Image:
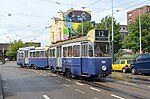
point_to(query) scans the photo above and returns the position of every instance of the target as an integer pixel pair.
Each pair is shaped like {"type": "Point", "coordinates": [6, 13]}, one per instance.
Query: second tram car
{"type": "Point", "coordinates": [85, 56]}
{"type": "Point", "coordinates": [38, 58]}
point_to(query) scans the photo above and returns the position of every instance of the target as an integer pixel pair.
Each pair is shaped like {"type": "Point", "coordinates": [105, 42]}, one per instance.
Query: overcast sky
{"type": "Point", "coordinates": [30, 17]}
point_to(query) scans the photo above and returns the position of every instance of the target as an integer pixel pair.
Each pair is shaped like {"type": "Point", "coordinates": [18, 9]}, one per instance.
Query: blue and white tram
{"type": "Point", "coordinates": [38, 58]}
{"type": "Point", "coordinates": [85, 56]}
{"type": "Point", "coordinates": [23, 55]}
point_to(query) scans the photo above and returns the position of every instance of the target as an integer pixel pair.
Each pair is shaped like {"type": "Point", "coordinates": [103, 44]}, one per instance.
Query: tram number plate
{"type": "Point", "coordinates": [101, 35]}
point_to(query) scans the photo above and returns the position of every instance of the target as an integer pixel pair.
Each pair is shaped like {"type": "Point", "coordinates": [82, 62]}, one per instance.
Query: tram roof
{"type": "Point", "coordinates": [41, 48]}
{"type": "Point", "coordinates": [89, 37]}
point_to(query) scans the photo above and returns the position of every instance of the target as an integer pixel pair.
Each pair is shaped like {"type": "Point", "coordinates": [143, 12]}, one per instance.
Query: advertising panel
{"type": "Point", "coordinates": [74, 18]}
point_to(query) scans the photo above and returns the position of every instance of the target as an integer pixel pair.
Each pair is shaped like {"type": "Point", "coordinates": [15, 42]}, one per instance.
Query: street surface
{"type": "Point", "coordinates": [23, 83]}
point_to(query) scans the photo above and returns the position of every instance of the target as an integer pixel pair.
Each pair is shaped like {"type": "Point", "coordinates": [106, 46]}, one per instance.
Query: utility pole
{"type": "Point", "coordinates": [140, 30]}
{"type": "Point", "coordinates": [112, 35]}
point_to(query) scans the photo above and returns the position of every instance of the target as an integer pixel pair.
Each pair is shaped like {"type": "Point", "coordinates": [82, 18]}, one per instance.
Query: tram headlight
{"type": "Point", "coordinates": [104, 68]}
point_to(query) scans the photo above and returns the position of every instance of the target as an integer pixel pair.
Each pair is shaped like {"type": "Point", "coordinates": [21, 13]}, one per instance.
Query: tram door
{"type": "Point", "coordinates": [26, 60]}
{"type": "Point", "coordinates": [58, 58]}
{"type": "Point", "coordinates": [84, 58]}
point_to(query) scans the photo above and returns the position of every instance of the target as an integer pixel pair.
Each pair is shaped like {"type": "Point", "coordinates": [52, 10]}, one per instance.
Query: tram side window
{"type": "Point", "coordinates": [42, 54]}
{"type": "Point", "coordinates": [52, 52]}
{"type": "Point", "coordinates": [65, 52]}
{"type": "Point", "coordinates": [69, 51]}
{"type": "Point", "coordinates": [34, 55]}
{"type": "Point", "coordinates": [37, 54]}
{"type": "Point", "coordinates": [20, 55]}
{"type": "Point", "coordinates": [31, 54]}
{"type": "Point", "coordinates": [76, 50]}
{"type": "Point", "coordinates": [84, 50]}
{"type": "Point", "coordinates": [26, 54]}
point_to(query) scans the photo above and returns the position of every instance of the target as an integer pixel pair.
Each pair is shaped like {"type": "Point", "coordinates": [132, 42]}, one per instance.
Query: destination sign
{"type": "Point", "coordinates": [101, 35]}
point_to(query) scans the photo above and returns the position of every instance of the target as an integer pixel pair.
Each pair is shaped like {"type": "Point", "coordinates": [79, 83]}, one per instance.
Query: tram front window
{"type": "Point", "coordinates": [101, 49]}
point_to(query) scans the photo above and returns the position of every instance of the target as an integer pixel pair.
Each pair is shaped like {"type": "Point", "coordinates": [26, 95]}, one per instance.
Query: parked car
{"type": "Point", "coordinates": [140, 64]}
{"type": "Point", "coordinates": [122, 65]}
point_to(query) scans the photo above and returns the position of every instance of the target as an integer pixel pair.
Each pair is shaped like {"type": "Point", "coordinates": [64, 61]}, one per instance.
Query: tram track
{"type": "Point", "coordinates": [108, 88]}
{"type": "Point", "coordinates": [112, 89]}
{"type": "Point", "coordinates": [131, 83]}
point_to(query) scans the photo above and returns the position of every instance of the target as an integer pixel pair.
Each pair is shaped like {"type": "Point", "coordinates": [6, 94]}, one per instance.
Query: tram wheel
{"type": "Point", "coordinates": [52, 69]}
{"type": "Point", "coordinates": [69, 74]}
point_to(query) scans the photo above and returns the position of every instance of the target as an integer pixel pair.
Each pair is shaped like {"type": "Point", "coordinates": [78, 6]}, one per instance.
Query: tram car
{"type": "Point", "coordinates": [38, 58]}
{"type": "Point", "coordinates": [22, 56]}
{"type": "Point", "coordinates": [84, 56]}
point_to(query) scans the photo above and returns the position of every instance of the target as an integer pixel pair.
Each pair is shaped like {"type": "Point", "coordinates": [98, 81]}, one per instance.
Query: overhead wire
{"type": "Point", "coordinates": [60, 3]}
{"type": "Point", "coordinates": [93, 3]}
{"type": "Point", "coordinates": [121, 5]}
{"type": "Point", "coordinates": [124, 8]}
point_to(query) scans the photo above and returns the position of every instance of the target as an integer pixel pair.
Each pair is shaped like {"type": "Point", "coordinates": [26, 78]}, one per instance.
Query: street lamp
{"type": "Point", "coordinates": [140, 30]}
{"type": "Point", "coordinates": [112, 35]}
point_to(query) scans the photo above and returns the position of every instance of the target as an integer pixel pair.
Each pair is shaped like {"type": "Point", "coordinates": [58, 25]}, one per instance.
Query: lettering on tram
{"type": "Point", "coordinates": [101, 35]}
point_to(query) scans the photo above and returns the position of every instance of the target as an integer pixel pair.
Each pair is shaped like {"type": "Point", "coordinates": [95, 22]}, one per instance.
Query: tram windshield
{"type": "Point", "coordinates": [101, 49]}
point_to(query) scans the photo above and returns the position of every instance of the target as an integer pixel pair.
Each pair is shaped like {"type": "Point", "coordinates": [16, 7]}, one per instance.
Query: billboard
{"type": "Point", "coordinates": [74, 18]}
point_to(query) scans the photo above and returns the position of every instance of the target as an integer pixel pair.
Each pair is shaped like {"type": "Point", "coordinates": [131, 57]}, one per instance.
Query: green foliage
{"type": "Point", "coordinates": [32, 44]}
{"type": "Point", "coordinates": [132, 40]}
{"type": "Point", "coordinates": [87, 26]}
{"type": "Point", "coordinates": [14, 46]}
{"type": "Point", "coordinates": [106, 23]}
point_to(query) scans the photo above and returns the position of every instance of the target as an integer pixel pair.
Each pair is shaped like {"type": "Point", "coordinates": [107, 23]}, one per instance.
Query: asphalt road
{"type": "Point", "coordinates": [23, 83]}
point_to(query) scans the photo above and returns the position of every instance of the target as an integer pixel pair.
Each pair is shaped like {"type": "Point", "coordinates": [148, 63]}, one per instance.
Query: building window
{"type": "Point", "coordinates": [148, 9]}
{"type": "Point", "coordinates": [129, 14]}
{"type": "Point", "coordinates": [129, 20]}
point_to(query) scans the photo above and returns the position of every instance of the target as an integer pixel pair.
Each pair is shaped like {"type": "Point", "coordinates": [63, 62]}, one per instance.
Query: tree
{"type": "Point", "coordinates": [132, 40]}
{"type": "Point", "coordinates": [106, 23]}
{"type": "Point", "coordinates": [14, 46]}
{"type": "Point", "coordinates": [87, 26]}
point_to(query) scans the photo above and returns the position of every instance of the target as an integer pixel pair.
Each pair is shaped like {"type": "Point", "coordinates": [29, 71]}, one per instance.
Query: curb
{"type": "Point", "coordinates": [1, 89]}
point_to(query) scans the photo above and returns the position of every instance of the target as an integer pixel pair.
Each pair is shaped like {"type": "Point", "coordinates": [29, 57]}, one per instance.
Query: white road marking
{"type": "Point", "coordinates": [44, 75]}
{"type": "Point", "coordinates": [40, 73]}
{"type": "Point", "coordinates": [59, 77]}
{"type": "Point", "coordinates": [46, 97]}
{"type": "Point", "coordinates": [80, 91]}
{"type": "Point", "coordinates": [148, 86]}
{"type": "Point", "coordinates": [50, 78]}
{"type": "Point", "coordinates": [94, 89]}
{"type": "Point", "coordinates": [49, 73]}
{"type": "Point", "coordinates": [53, 74]}
{"type": "Point", "coordinates": [130, 83]}
{"type": "Point", "coordinates": [57, 80]}
{"type": "Point", "coordinates": [96, 98]}
{"type": "Point", "coordinates": [66, 85]}
{"type": "Point", "coordinates": [79, 84]}
{"type": "Point", "coordinates": [44, 71]}
{"type": "Point", "coordinates": [68, 80]}
{"type": "Point", "coordinates": [117, 96]}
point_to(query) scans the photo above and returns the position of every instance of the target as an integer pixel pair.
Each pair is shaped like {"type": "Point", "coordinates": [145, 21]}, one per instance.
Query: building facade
{"type": "Point", "coordinates": [134, 14]}
{"type": "Point", "coordinates": [64, 26]}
